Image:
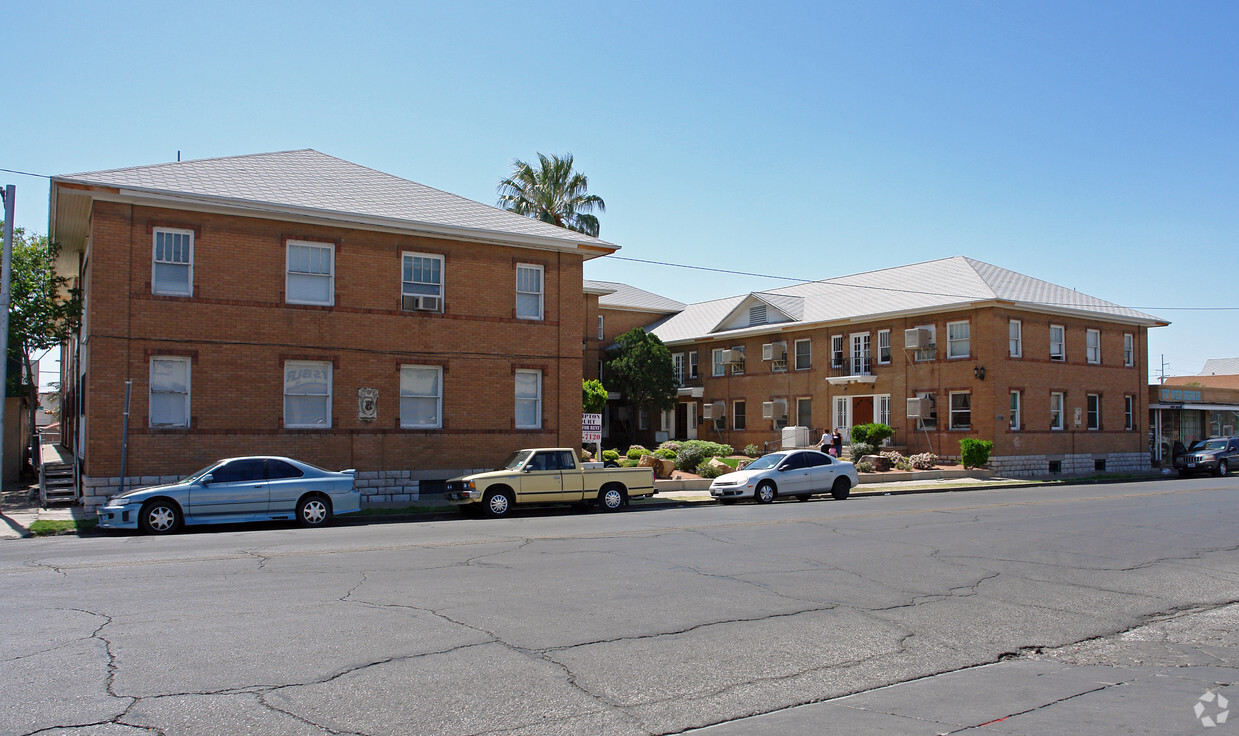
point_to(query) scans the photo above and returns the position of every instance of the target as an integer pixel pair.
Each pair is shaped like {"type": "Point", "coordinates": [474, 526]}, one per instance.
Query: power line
{"type": "Point", "coordinates": [26, 173]}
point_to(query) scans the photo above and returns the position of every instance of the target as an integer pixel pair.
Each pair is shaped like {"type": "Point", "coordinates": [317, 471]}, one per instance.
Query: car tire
{"type": "Point", "coordinates": [313, 510]}
{"type": "Point", "coordinates": [765, 493]}
{"type": "Point", "coordinates": [803, 496]}
{"type": "Point", "coordinates": [1223, 469]}
{"type": "Point", "coordinates": [497, 504]}
{"type": "Point", "coordinates": [841, 489]}
{"type": "Point", "coordinates": [160, 516]}
{"type": "Point", "coordinates": [612, 498]}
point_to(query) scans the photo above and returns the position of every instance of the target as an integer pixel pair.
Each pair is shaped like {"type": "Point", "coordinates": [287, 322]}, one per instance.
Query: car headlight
{"type": "Point", "coordinates": [121, 501]}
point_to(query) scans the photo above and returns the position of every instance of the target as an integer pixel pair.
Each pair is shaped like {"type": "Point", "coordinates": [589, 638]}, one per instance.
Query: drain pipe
{"type": "Point", "coordinates": [124, 437]}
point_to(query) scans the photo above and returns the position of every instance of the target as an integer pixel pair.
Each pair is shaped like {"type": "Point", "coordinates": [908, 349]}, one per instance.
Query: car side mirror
{"type": "Point", "coordinates": [208, 479]}
{"type": "Point", "coordinates": [527, 469]}
{"type": "Point", "coordinates": [781, 468]}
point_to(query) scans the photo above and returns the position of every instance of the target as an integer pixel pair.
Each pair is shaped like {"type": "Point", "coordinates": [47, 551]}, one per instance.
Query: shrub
{"type": "Point", "coordinates": [974, 453]}
{"type": "Point", "coordinates": [923, 461]}
{"type": "Point", "coordinates": [752, 450]}
{"type": "Point", "coordinates": [611, 455]}
{"type": "Point", "coordinates": [586, 456]}
{"type": "Point", "coordinates": [689, 457]}
{"type": "Point", "coordinates": [903, 465]}
{"type": "Point", "coordinates": [705, 470]}
{"type": "Point", "coordinates": [893, 456]}
{"type": "Point", "coordinates": [670, 445]}
{"type": "Point", "coordinates": [860, 449]}
{"type": "Point", "coordinates": [636, 452]}
{"type": "Point", "coordinates": [871, 434]}
{"type": "Point", "coordinates": [665, 453]}
{"type": "Point", "coordinates": [864, 467]}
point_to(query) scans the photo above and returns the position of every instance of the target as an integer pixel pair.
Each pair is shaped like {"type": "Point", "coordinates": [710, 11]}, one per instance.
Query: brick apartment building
{"type": "Point", "coordinates": [297, 304]}
{"type": "Point", "coordinates": [940, 351]}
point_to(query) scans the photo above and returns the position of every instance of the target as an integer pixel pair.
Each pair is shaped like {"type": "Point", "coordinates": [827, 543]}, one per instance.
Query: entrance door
{"type": "Point", "coordinates": [681, 421]}
{"type": "Point", "coordinates": [862, 410]}
{"type": "Point", "coordinates": [690, 418]}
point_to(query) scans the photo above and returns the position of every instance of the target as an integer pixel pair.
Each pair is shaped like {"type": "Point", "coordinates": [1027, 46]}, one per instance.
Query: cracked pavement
{"type": "Point", "coordinates": [794, 617]}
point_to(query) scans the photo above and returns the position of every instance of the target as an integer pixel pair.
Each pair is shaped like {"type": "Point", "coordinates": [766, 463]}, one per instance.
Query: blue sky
{"type": "Point", "coordinates": [1094, 145]}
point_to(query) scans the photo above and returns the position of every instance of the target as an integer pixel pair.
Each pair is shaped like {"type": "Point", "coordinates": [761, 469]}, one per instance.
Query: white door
{"type": "Point", "coordinates": [843, 417]}
{"type": "Point", "coordinates": [692, 420]}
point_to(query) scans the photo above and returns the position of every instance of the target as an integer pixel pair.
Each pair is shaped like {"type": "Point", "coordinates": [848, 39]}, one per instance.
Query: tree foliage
{"type": "Point", "coordinates": [593, 396]}
{"type": "Point", "coordinates": [552, 193]}
{"type": "Point", "coordinates": [43, 309]}
{"type": "Point", "coordinates": [641, 370]}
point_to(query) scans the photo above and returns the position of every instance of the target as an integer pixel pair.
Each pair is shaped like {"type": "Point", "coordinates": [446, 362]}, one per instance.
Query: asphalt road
{"type": "Point", "coordinates": [643, 622]}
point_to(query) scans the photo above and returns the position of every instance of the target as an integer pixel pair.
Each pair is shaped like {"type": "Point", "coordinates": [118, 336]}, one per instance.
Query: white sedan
{"type": "Point", "coordinates": [799, 473]}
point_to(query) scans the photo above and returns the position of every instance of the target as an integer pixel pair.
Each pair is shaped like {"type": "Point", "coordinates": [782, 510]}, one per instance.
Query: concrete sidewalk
{"type": "Point", "coordinates": [19, 508]}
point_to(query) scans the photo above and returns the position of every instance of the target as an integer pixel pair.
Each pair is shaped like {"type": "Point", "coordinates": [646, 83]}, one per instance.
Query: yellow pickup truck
{"type": "Point", "coordinates": [547, 475]}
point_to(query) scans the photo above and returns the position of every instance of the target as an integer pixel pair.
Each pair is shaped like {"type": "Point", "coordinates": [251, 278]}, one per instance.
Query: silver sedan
{"type": "Point", "coordinates": [798, 473]}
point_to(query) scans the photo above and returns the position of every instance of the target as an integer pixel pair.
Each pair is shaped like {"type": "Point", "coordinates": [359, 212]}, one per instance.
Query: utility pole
{"type": "Point", "coordinates": [10, 196]}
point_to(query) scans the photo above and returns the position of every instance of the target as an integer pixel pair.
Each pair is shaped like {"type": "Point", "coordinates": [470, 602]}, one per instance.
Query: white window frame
{"type": "Point", "coordinates": [884, 408]}
{"type": "Point", "coordinates": [737, 369]}
{"type": "Point", "coordinates": [156, 261]}
{"type": "Point", "coordinates": [437, 396]}
{"type": "Point", "coordinates": [718, 367]}
{"type": "Point", "coordinates": [289, 274]}
{"type": "Point", "coordinates": [808, 354]}
{"type": "Point", "coordinates": [954, 341]}
{"type": "Point", "coordinates": [1016, 408]}
{"type": "Point", "coordinates": [1058, 416]}
{"type": "Point", "coordinates": [536, 400]}
{"type": "Point", "coordinates": [408, 255]}
{"type": "Point", "coordinates": [601, 331]}
{"type": "Point", "coordinates": [966, 410]}
{"type": "Point", "coordinates": [843, 414]}
{"type": "Point", "coordinates": [1129, 349]}
{"type": "Point", "coordinates": [931, 352]}
{"type": "Point", "coordinates": [1061, 342]}
{"type": "Point", "coordinates": [838, 358]}
{"type": "Point", "coordinates": [1015, 338]}
{"type": "Point", "coordinates": [692, 364]}
{"type": "Point", "coordinates": [1092, 346]}
{"type": "Point", "coordinates": [152, 390]}
{"type": "Point", "coordinates": [861, 356]}
{"type": "Point", "coordinates": [884, 344]}
{"type": "Point", "coordinates": [1092, 419]}
{"type": "Point", "coordinates": [309, 365]}
{"type": "Point", "coordinates": [1129, 413]}
{"type": "Point", "coordinates": [540, 293]}
{"type": "Point", "coordinates": [739, 420]}
{"type": "Point", "coordinates": [678, 365]}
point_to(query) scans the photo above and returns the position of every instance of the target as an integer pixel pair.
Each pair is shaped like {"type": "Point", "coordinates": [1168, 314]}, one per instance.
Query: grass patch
{"type": "Point", "coordinates": [731, 461]}
{"type": "Point", "coordinates": [52, 527]}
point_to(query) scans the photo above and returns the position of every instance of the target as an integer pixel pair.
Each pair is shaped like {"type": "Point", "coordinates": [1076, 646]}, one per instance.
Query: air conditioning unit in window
{"type": "Point", "coordinates": [774, 351]}
{"type": "Point", "coordinates": [411, 303]}
{"type": "Point", "coordinates": [735, 356]}
{"type": "Point", "coordinates": [711, 411]}
{"type": "Point", "coordinates": [773, 409]}
{"type": "Point", "coordinates": [917, 338]}
{"type": "Point", "coordinates": [915, 407]}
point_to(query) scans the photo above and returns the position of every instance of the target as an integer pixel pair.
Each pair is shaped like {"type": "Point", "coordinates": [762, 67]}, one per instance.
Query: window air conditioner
{"type": "Point", "coordinates": [707, 411]}
{"type": "Point", "coordinates": [735, 355]}
{"type": "Point", "coordinates": [410, 303]}
{"type": "Point", "coordinates": [773, 409]}
{"type": "Point", "coordinates": [774, 351]}
{"type": "Point", "coordinates": [917, 338]}
{"type": "Point", "coordinates": [914, 408]}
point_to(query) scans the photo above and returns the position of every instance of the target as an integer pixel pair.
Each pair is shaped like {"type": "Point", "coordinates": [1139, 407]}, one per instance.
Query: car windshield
{"type": "Point", "coordinates": [766, 461]}
{"type": "Point", "coordinates": [1210, 445]}
{"type": "Point", "coordinates": [515, 460]}
{"type": "Point", "coordinates": [194, 477]}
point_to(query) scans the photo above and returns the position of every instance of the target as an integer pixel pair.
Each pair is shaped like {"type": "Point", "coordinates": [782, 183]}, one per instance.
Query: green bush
{"type": "Point", "coordinates": [974, 453]}
{"type": "Point", "coordinates": [705, 470]}
{"type": "Point", "coordinates": [612, 455]}
{"type": "Point", "coordinates": [665, 453]}
{"type": "Point", "coordinates": [752, 450]}
{"type": "Point", "coordinates": [871, 434]}
{"type": "Point", "coordinates": [864, 467]}
{"type": "Point", "coordinates": [636, 452]}
{"type": "Point", "coordinates": [711, 449]}
{"type": "Point", "coordinates": [860, 449]}
{"type": "Point", "coordinates": [689, 457]}
{"type": "Point", "coordinates": [670, 445]}
{"type": "Point", "coordinates": [923, 461]}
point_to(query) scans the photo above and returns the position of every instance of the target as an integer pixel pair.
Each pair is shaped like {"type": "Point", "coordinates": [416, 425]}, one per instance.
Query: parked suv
{"type": "Point", "coordinates": [1215, 455]}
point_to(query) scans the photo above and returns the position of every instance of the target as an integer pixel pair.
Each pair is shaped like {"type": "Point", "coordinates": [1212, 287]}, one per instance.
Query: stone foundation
{"type": "Point", "coordinates": [1037, 466]}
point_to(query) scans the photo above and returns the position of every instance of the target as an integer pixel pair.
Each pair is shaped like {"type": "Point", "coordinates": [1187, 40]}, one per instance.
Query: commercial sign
{"type": "Point", "coordinates": [591, 428]}
{"type": "Point", "coordinates": [1177, 394]}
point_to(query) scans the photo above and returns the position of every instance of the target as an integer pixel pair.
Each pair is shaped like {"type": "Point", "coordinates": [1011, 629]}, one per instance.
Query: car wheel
{"type": "Point", "coordinates": [313, 510]}
{"type": "Point", "coordinates": [803, 496]}
{"type": "Point", "coordinates": [611, 498]}
{"type": "Point", "coordinates": [497, 504]}
{"type": "Point", "coordinates": [841, 489]}
{"type": "Point", "coordinates": [765, 493]}
{"type": "Point", "coordinates": [1222, 468]}
{"type": "Point", "coordinates": [160, 516]}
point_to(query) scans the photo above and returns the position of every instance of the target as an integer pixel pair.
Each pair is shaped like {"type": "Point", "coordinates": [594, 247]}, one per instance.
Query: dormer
{"type": "Point", "coordinates": [761, 308]}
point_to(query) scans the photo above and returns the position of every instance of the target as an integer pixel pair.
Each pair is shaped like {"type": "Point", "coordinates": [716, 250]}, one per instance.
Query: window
{"type": "Point", "coordinates": [529, 399]}
{"type": "Point", "coordinates": [930, 351]}
{"type": "Point", "coordinates": [169, 402]}
{"type": "Point", "coordinates": [804, 412]}
{"type": "Point", "coordinates": [1015, 411]}
{"type": "Point", "coordinates": [957, 339]}
{"type": "Point", "coordinates": [1015, 338]}
{"type": "Point", "coordinates": [307, 394]}
{"type": "Point", "coordinates": [1056, 410]}
{"type": "Point", "coordinates": [1129, 413]}
{"type": "Point", "coordinates": [737, 368]}
{"type": "Point", "coordinates": [1058, 350]}
{"type": "Point", "coordinates": [860, 354]}
{"type": "Point", "coordinates": [884, 409]}
{"type": "Point", "coordinates": [677, 365]}
{"type": "Point", "coordinates": [692, 364]}
{"type": "Point", "coordinates": [643, 419]}
{"type": "Point", "coordinates": [246, 470]}
{"type": "Point", "coordinates": [421, 396]}
{"type": "Point", "coordinates": [528, 291]}
{"type": "Point", "coordinates": [737, 415]}
{"type": "Point", "coordinates": [1094, 411]}
{"type": "Point", "coordinates": [961, 410]}
{"type": "Point", "coordinates": [1129, 349]}
{"type": "Point", "coordinates": [311, 268]}
{"type": "Point", "coordinates": [884, 347]}
{"type": "Point", "coordinates": [929, 410]}
{"type": "Point", "coordinates": [278, 470]}
{"type": "Point", "coordinates": [1092, 346]}
{"type": "Point", "coordinates": [421, 282]}
{"type": "Point", "coordinates": [804, 356]}
{"type": "Point", "coordinates": [716, 358]}
{"type": "Point", "coordinates": [843, 413]}
{"type": "Point", "coordinates": [836, 351]}
{"type": "Point", "coordinates": [172, 270]}
{"type": "Point", "coordinates": [600, 328]}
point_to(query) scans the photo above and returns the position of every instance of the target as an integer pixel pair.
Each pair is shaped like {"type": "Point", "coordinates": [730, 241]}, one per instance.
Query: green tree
{"type": "Point", "coordinates": [641, 370]}
{"type": "Point", "coordinates": [552, 193]}
{"type": "Point", "coordinates": [43, 310]}
{"type": "Point", "coordinates": [593, 396]}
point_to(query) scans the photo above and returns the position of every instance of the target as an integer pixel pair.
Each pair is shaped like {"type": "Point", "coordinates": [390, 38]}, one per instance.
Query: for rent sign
{"type": "Point", "coordinates": [591, 428]}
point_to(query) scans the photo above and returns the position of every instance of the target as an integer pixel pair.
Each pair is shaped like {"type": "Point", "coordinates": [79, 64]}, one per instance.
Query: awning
{"type": "Point", "coordinates": [1197, 407]}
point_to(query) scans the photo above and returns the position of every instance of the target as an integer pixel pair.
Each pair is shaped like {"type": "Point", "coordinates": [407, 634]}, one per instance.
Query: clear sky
{"type": "Point", "coordinates": [1091, 144]}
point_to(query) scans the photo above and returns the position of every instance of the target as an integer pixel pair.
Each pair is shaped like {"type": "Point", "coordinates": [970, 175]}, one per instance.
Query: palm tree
{"type": "Point", "coordinates": [554, 193]}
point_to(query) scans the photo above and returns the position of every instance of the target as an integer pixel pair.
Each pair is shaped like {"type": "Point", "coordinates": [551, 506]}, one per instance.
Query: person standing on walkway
{"type": "Point", "coordinates": [836, 441]}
